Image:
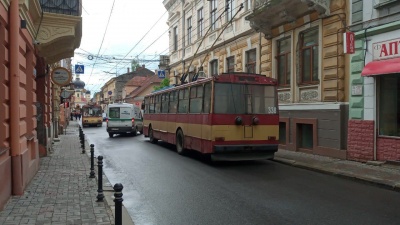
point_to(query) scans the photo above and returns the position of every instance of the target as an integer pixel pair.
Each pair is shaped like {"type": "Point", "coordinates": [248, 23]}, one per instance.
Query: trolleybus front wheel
{"type": "Point", "coordinates": [110, 135]}
{"type": "Point", "coordinates": [151, 135]}
{"type": "Point", "coordinates": [179, 142]}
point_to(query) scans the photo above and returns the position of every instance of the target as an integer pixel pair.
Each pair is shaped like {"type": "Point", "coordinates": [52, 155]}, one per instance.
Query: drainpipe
{"type": "Point", "coordinates": [16, 159]}
{"type": "Point", "coordinates": [259, 47]}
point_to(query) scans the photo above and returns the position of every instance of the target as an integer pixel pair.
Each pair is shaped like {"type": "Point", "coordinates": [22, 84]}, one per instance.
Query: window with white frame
{"type": "Point", "coordinates": [251, 61]}
{"type": "Point", "coordinates": [213, 14]}
{"type": "Point", "coordinates": [189, 30]}
{"type": "Point", "coordinates": [175, 38]}
{"type": "Point", "coordinates": [309, 50]}
{"type": "Point", "coordinates": [247, 4]}
{"type": "Point", "coordinates": [200, 23]}
{"type": "Point", "coordinates": [283, 61]}
{"type": "Point", "coordinates": [214, 67]}
{"type": "Point", "coordinates": [230, 4]}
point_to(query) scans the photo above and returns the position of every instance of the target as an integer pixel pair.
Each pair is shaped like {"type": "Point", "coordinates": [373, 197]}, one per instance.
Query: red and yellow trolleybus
{"type": "Point", "coordinates": [233, 116]}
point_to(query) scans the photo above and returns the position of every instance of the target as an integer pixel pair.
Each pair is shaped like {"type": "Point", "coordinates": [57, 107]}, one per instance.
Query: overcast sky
{"type": "Point", "coordinates": [103, 48]}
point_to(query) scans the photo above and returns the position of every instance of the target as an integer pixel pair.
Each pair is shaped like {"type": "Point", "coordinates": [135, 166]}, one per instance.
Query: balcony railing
{"type": "Point", "coordinates": [66, 7]}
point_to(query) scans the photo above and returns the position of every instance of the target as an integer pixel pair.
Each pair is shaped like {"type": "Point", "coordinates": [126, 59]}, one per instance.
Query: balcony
{"type": "Point", "coordinates": [59, 28]}
{"type": "Point", "coordinates": [269, 14]}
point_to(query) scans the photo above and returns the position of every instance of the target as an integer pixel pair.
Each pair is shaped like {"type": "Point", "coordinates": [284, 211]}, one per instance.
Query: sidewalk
{"type": "Point", "coordinates": [378, 173]}
{"type": "Point", "coordinates": [62, 192]}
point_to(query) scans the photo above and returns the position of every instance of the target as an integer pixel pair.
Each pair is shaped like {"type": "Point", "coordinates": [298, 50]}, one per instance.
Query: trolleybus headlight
{"type": "Point", "coordinates": [256, 120]}
{"type": "Point", "coordinates": [238, 120]}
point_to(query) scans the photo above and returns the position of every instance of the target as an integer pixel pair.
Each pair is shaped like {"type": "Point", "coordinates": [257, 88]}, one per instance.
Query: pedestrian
{"type": "Point", "coordinates": [79, 116]}
{"type": "Point", "coordinates": [72, 116]}
{"type": "Point", "coordinates": [76, 116]}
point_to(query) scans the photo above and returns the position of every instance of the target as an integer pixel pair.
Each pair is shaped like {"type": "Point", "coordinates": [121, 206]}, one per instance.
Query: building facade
{"type": "Point", "coordinates": [297, 42]}
{"type": "Point", "coordinates": [374, 118]}
{"type": "Point", "coordinates": [33, 37]}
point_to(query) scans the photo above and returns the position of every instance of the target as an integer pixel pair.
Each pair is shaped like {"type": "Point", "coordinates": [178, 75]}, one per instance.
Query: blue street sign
{"type": "Point", "coordinates": [79, 69]}
{"type": "Point", "coordinates": [161, 74]}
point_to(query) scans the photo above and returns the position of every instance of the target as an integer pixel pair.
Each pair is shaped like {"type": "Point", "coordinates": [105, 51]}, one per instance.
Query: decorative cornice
{"type": "Point", "coordinates": [59, 35]}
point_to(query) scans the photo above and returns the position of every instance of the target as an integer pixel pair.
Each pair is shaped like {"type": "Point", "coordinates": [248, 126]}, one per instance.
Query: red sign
{"type": "Point", "coordinates": [349, 42]}
{"type": "Point", "coordinates": [386, 49]}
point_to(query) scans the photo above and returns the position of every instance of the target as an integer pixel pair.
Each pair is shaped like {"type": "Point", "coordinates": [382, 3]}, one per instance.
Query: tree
{"type": "Point", "coordinates": [164, 83]}
{"type": "Point", "coordinates": [134, 64]}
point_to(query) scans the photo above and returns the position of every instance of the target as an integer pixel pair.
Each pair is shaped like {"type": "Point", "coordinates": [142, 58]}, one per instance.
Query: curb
{"type": "Point", "coordinates": [108, 191]}
{"type": "Point", "coordinates": [342, 174]}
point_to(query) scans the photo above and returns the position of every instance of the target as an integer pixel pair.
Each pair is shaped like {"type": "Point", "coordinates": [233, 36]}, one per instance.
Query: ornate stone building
{"type": "Point", "coordinates": [298, 42]}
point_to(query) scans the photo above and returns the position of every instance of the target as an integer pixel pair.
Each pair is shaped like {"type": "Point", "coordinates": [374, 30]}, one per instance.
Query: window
{"type": "Point", "coordinates": [189, 30]}
{"type": "Point", "coordinates": [214, 67]}
{"type": "Point", "coordinates": [230, 13]}
{"type": "Point", "coordinates": [251, 61]}
{"type": "Point", "coordinates": [164, 103]}
{"type": "Point", "coordinates": [196, 99]}
{"type": "Point", "coordinates": [207, 98]}
{"type": "Point", "coordinates": [282, 133]}
{"type": "Point", "coordinates": [305, 132]}
{"type": "Point", "coordinates": [247, 5]}
{"type": "Point", "coordinates": [183, 104]}
{"type": "Point", "coordinates": [230, 63]}
{"type": "Point", "coordinates": [244, 99]}
{"type": "Point", "coordinates": [158, 104]}
{"type": "Point", "coordinates": [77, 95]}
{"type": "Point", "coordinates": [283, 62]}
{"type": "Point", "coordinates": [213, 14]}
{"type": "Point", "coordinates": [200, 23]}
{"type": "Point", "coordinates": [175, 38]}
{"type": "Point", "coordinates": [173, 102]}
{"type": "Point", "coordinates": [389, 105]}
{"type": "Point", "coordinates": [309, 56]}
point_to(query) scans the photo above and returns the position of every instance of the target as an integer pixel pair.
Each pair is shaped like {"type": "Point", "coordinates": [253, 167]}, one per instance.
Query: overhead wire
{"type": "Point", "coordinates": [182, 37]}
{"type": "Point", "coordinates": [102, 41]}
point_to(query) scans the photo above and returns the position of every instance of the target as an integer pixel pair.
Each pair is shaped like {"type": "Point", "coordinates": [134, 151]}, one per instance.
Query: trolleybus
{"type": "Point", "coordinates": [231, 117]}
{"type": "Point", "coordinates": [92, 115]}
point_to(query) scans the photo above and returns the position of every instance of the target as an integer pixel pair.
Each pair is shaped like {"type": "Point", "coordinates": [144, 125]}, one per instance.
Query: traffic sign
{"type": "Point", "coordinates": [65, 94]}
{"type": "Point", "coordinates": [161, 74]}
{"type": "Point", "coordinates": [79, 69]}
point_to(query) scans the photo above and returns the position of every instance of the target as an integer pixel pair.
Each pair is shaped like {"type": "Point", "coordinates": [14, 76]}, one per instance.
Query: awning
{"type": "Point", "coordinates": [388, 66]}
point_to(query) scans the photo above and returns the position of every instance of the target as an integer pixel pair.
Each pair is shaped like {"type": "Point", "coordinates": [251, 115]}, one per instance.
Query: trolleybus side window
{"type": "Point", "coordinates": [164, 103]}
{"type": "Point", "coordinates": [152, 103]}
{"type": "Point", "coordinates": [173, 101]}
{"type": "Point", "coordinates": [183, 104]}
{"type": "Point", "coordinates": [158, 103]}
{"type": "Point", "coordinates": [196, 99]}
{"type": "Point", "coordinates": [207, 98]}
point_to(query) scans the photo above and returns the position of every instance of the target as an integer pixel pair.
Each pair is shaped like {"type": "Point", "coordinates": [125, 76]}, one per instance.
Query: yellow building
{"type": "Point", "coordinates": [297, 42]}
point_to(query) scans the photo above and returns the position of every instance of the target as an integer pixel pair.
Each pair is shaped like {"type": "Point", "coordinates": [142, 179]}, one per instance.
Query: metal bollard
{"type": "Point", "coordinates": [118, 203]}
{"type": "Point", "coordinates": [83, 144]}
{"type": "Point", "coordinates": [100, 195]}
{"type": "Point", "coordinates": [80, 134]}
{"type": "Point", "coordinates": [92, 174]}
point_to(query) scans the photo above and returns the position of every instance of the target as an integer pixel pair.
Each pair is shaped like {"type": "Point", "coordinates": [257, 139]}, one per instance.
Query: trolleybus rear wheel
{"type": "Point", "coordinates": [151, 135]}
{"type": "Point", "coordinates": [179, 142]}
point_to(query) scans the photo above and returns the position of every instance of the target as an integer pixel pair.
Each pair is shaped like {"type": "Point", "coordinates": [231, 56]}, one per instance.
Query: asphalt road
{"type": "Point", "coordinates": [162, 187]}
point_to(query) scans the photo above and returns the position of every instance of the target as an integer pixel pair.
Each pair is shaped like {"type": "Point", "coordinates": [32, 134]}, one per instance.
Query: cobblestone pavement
{"type": "Point", "coordinates": [61, 192]}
